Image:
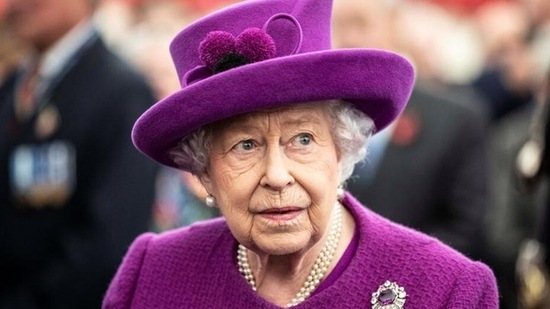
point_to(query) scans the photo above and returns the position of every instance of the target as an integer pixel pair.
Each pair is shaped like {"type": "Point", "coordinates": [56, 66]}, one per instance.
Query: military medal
{"type": "Point", "coordinates": [43, 175]}
{"type": "Point", "coordinates": [47, 122]}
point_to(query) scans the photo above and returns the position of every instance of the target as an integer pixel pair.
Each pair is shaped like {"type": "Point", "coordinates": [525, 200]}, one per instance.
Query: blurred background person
{"type": "Point", "coordinates": [533, 169]}
{"type": "Point", "coordinates": [488, 56]}
{"type": "Point", "coordinates": [73, 191]}
{"type": "Point", "coordinates": [506, 80]}
{"type": "Point", "coordinates": [513, 36]}
{"type": "Point", "coordinates": [435, 155]}
{"type": "Point", "coordinates": [179, 197]}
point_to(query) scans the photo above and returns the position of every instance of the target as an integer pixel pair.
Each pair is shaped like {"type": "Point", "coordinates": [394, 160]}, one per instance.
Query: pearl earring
{"type": "Point", "coordinates": [210, 201]}
{"type": "Point", "coordinates": [340, 192]}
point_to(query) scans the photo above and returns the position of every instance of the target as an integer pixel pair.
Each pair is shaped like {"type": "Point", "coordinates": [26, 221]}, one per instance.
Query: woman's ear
{"type": "Point", "coordinates": [206, 181]}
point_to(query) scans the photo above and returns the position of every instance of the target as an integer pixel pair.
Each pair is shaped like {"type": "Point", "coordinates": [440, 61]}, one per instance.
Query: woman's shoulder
{"type": "Point", "coordinates": [200, 233]}
{"type": "Point", "coordinates": [158, 265]}
{"type": "Point", "coordinates": [394, 241]}
{"type": "Point", "coordinates": [160, 248]}
{"type": "Point", "coordinates": [419, 263]}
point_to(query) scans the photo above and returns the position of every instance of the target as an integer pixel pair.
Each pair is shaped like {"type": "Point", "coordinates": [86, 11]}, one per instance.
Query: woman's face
{"type": "Point", "coordinates": [274, 176]}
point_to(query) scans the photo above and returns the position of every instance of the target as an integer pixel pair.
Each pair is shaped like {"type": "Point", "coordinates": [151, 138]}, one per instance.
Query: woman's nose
{"type": "Point", "coordinates": [277, 173]}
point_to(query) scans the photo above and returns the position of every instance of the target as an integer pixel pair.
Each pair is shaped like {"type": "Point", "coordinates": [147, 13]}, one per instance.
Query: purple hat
{"type": "Point", "coordinates": [260, 54]}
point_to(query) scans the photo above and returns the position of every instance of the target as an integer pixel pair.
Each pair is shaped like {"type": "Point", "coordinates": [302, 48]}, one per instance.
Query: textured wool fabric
{"type": "Point", "coordinates": [304, 69]}
{"type": "Point", "coordinates": [196, 267]}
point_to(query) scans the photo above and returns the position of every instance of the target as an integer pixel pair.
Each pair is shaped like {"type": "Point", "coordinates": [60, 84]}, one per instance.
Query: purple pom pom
{"type": "Point", "coordinates": [255, 45]}
{"type": "Point", "coordinates": [215, 46]}
{"type": "Point", "coordinates": [220, 50]}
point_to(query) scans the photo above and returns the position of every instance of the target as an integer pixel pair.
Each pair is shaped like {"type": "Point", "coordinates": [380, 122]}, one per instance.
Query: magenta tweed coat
{"type": "Point", "coordinates": [196, 267]}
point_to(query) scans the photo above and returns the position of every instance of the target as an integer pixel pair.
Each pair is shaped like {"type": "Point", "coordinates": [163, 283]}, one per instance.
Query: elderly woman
{"type": "Point", "coordinates": [272, 122]}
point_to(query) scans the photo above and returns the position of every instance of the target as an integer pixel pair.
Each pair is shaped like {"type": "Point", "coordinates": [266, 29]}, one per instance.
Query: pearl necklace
{"type": "Point", "coordinates": [318, 270]}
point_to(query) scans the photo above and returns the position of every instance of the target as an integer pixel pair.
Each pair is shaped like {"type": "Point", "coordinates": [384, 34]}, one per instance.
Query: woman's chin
{"type": "Point", "coordinates": [283, 244]}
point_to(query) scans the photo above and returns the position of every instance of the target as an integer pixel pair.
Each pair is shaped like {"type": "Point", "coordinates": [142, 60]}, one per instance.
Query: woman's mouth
{"type": "Point", "coordinates": [281, 214]}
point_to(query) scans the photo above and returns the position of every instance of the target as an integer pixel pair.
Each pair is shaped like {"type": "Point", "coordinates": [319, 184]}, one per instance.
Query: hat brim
{"type": "Point", "coordinates": [376, 82]}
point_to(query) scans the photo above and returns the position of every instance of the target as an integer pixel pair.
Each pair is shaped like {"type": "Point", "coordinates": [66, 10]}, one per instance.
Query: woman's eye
{"type": "Point", "coordinates": [304, 139]}
{"type": "Point", "coordinates": [245, 145]}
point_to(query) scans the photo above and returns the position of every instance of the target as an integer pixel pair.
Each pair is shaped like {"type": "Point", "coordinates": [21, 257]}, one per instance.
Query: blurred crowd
{"type": "Point", "coordinates": [450, 166]}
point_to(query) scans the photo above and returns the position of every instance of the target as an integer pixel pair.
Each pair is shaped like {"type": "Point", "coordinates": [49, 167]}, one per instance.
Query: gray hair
{"type": "Point", "coordinates": [351, 132]}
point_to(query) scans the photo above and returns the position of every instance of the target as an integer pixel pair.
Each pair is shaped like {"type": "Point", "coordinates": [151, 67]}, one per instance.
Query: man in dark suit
{"type": "Point", "coordinates": [73, 190]}
{"type": "Point", "coordinates": [432, 173]}
{"type": "Point", "coordinates": [430, 170]}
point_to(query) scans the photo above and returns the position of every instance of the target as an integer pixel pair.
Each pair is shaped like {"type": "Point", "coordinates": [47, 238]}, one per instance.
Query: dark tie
{"type": "Point", "coordinates": [25, 98]}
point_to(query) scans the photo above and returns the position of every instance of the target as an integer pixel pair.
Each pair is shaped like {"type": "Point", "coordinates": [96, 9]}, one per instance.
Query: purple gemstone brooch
{"type": "Point", "coordinates": [389, 296]}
